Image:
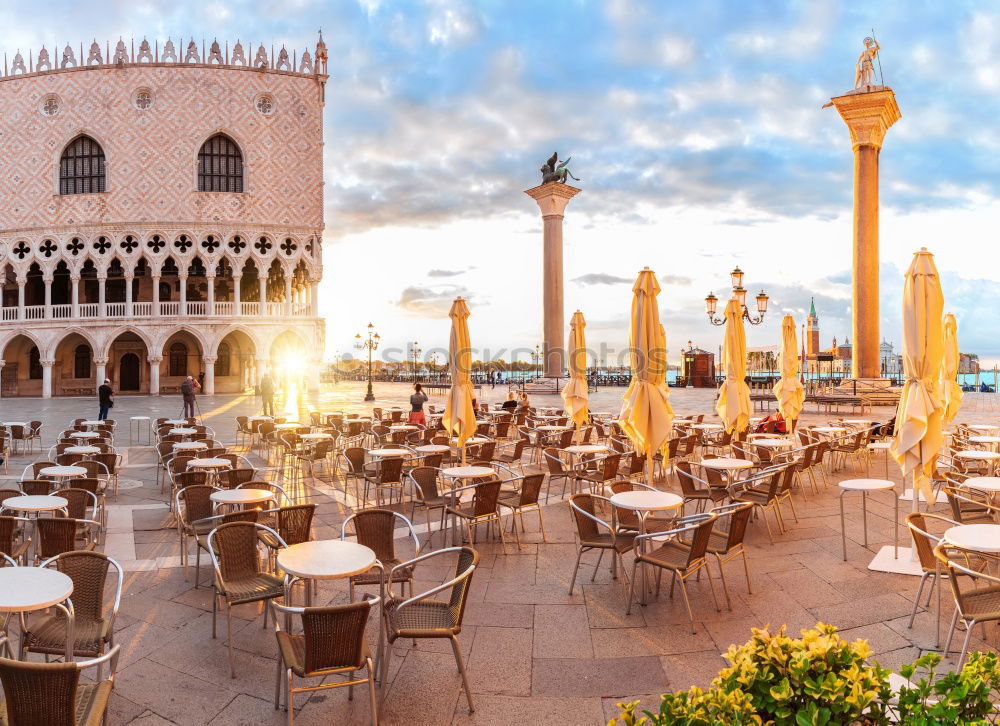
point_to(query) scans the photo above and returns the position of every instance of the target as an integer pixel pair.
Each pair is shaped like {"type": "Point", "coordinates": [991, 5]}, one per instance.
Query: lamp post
{"type": "Point", "coordinates": [536, 357]}
{"type": "Point", "coordinates": [740, 293]}
{"type": "Point", "coordinates": [415, 352]}
{"type": "Point", "coordinates": [371, 345]}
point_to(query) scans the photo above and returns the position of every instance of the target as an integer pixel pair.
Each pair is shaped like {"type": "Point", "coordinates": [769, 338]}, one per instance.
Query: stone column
{"type": "Point", "coordinates": [156, 296]}
{"type": "Point", "coordinates": [102, 369]}
{"type": "Point", "coordinates": [129, 308]}
{"type": "Point", "coordinates": [154, 374]}
{"type": "Point", "coordinates": [288, 295]}
{"type": "Point", "coordinates": [47, 377]}
{"type": "Point", "coordinates": [102, 307]}
{"type": "Point", "coordinates": [210, 305]}
{"type": "Point", "coordinates": [182, 307]}
{"type": "Point", "coordinates": [47, 279]}
{"type": "Point", "coordinates": [552, 199]}
{"type": "Point", "coordinates": [262, 295]}
{"type": "Point", "coordinates": [21, 282]}
{"type": "Point", "coordinates": [209, 363]}
{"type": "Point", "coordinates": [314, 299]}
{"type": "Point", "coordinates": [237, 303]}
{"type": "Point", "coordinates": [868, 116]}
{"type": "Point", "coordinates": [74, 283]}
{"type": "Point", "coordinates": [2, 364]}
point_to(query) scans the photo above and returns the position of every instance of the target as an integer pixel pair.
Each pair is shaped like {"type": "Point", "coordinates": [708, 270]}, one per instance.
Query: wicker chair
{"type": "Point", "coordinates": [925, 542]}
{"type": "Point", "coordinates": [761, 490]}
{"type": "Point", "coordinates": [728, 543]}
{"type": "Point", "coordinates": [426, 494]}
{"type": "Point", "coordinates": [979, 602]}
{"type": "Point", "coordinates": [57, 535]}
{"type": "Point", "coordinates": [193, 506]}
{"type": "Point", "coordinates": [604, 472]}
{"type": "Point", "coordinates": [589, 529]}
{"type": "Point", "coordinates": [484, 509]}
{"type": "Point", "coordinates": [423, 616]}
{"type": "Point", "coordinates": [11, 542]}
{"type": "Point", "coordinates": [34, 470]}
{"type": "Point", "coordinates": [51, 694]}
{"type": "Point", "coordinates": [525, 499]}
{"type": "Point", "coordinates": [695, 489]}
{"type": "Point", "coordinates": [332, 643]}
{"type": "Point", "coordinates": [971, 506]}
{"type": "Point", "coordinates": [238, 576]}
{"type": "Point", "coordinates": [374, 528]}
{"type": "Point", "coordinates": [233, 478]}
{"type": "Point", "coordinates": [681, 556]}
{"type": "Point", "coordinates": [386, 473]}
{"type": "Point", "coordinates": [36, 487]}
{"type": "Point", "coordinates": [558, 469]}
{"type": "Point", "coordinates": [92, 632]}
{"type": "Point", "coordinates": [292, 523]}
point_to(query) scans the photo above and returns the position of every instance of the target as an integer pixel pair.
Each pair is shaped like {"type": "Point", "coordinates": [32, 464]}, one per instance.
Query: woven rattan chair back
{"type": "Point", "coordinates": [110, 462]}
{"type": "Point", "coordinates": [293, 523]}
{"type": "Point", "coordinates": [553, 462]}
{"type": "Point", "coordinates": [85, 482]}
{"type": "Point", "coordinates": [485, 496]}
{"type": "Point", "coordinates": [36, 468]}
{"type": "Point", "coordinates": [6, 494]}
{"type": "Point", "coordinates": [77, 501]}
{"type": "Point", "coordinates": [425, 478]}
{"type": "Point", "coordinates": [232, 478]}
{"type": "Point", "coordinates": [8, 526]}
{"type": "Point", "coordinates": [390, 470]}
{"type": "Point", "coordinates": [586, 528]}
{"type": "Point", "coordinates": [689, 489]}
{"type": "Point", "coordinates": [374, 529]}
{"type": "Point", "coordinates": [39, 694]}
{"type": "Point", "coordinates": [237, 550]}
{"type": "Point", "coordinates": [355, 456]}
{"type": "Point", "coordinates": [487, 451]}
{"type": "Point", "coordinates": [68, 459]}
{"type": "Point", "coordinates": [925, 544]}
{"type": "Point", "coordinates": [89, 572]}
{"type": "Point", "coordinates": [467, 558]}
{"type": "Point", "coordinates": [190, 478]}
{"type": "Point", "coordinates": [36, 487]}
{"type": "Point", "coordinates": [626, 517]}
{"type": "Point", "coordinates": [196, 501]}
{"type": "Point", "coordinates": [531, 487]}
{"type": "Point", "coordinates": [736, 521]}
{"type": "Point", "coordinates": [55, 536]}
{"type": "Point", "coordinates": [699, 540]}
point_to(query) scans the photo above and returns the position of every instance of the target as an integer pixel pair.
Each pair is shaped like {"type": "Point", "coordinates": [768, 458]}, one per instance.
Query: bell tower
{"type": "Point", "coordinates": [812, 330]}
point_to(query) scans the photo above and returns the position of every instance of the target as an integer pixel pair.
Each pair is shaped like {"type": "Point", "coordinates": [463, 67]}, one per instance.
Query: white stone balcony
{"type": "Point", "coordinates": [112, 310]}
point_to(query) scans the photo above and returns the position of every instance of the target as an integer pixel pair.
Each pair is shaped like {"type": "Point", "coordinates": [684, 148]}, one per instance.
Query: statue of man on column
{"type": "Point", "coordinates": [864, 75]}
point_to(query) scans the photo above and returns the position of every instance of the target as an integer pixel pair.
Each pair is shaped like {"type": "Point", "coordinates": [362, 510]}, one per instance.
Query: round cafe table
{"type": "Point", "coordinates": [15, 423]}
{"type": "Point", "coordinates": [707, 426]}
{"type": "Point", "coordinates": [190, 446]}
{"type": "Point", "coordinates": [210, 464]}
{"type": "Point", "coordinates": [433, 449]}
{"type": "Point", "coordinates": [330, 559]}
{"type": "Point", "coordinates": [992, 440]}
{"type": "Point", "coordinates": [584, 449]}
{"type": "Point", "coordinates": [879, 446]}
{"type": "Point", "coordinates": [27, 589]}
{"type": "Point", "coordinates": [318, 436]}
{"type": "Point", "coordinates": [388, 452]}
{"type": "Point", "coordinates": [977, 537]}
{"type": "Point", "coordinates": [643, 502]}
{"type": "Point", "coordinates": [552, 427]}
{"type": "Point", "coordinates": [473, 440]}
{"type": "Point", "coordinates": [403, 427]}
{"type": "Point", "coordinates": [85, 435]}
{"type": "Point", "coordinates": [92, 423]}
{"type": "Point", "coordinates": [829, 430]}
{"type": "Point", "coordinates": [976, 455]}
{"type": "Point", "coordinates": [85, 450]}
{"type": "Point", "coordinates": [35, 503]}
{"type": "Point", "coordinates": [176, 421]}
{"type": "Point", "coordinates": [63, 472]}
{"type": "Point", "coordinates": [183, 431]}
{"type": "Point", "coordinates": [982, 427]}
{"type": "Point", "coordinates": [468, 472]}
{"type": "Point", "coordinates": [241, 497]}
{"type": "Point", "coordinates": [726, 464]}
{"type": "Point", "coordinates": [989, 484]}
{"type": "Point", "coordinates": [773, 443]}
{"type": "Point", "coordinates": [865, 486]}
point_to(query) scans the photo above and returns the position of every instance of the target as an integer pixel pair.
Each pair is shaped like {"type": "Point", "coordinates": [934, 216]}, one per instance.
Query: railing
{"type": "Point", "coordinates": [145, 310]}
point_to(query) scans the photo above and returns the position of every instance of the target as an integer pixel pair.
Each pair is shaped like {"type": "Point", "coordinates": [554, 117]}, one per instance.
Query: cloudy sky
{"type": "Point", "coordinates": [696, 128]}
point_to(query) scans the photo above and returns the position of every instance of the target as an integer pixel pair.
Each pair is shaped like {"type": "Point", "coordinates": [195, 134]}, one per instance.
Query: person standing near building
{"type": "Point", "coordinates": [188, 388]}
{"type": "Point", "coordinates": [267, 394]}
{"type": "Point", "coordinates": [417, 401]}
{"type": "Point", "coordinates": [105, 399]}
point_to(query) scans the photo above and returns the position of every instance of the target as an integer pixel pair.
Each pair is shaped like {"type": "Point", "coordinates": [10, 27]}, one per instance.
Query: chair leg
{"type": "Point", "coordinates": [597, 567]}
{"type": "Point", "coordinates": [372, 699]}
{"type": "Point", "coordinates": [229, 637]}
{"type": "Point", "coordinates": [576, 568]}
{"type": "Point", "coordinates": [965, 644]}
{"type": "Point", "coordinates": [290, 698]}
{"type": "Point", "coordinates": [541, 524]}
{"type": "Point", "coordinates": [631, 589]}
{"type": "Point", "coordinates": [687, 603]}
{"type": "Point", "coordinates": [722, 576]}
{"type": "Point", "coordinates": [916, 600]}
{"type": "Point", "coordinates": [461, 669]}
{"type": "Point", "coordinates": [746, 570]}
{"type": "Point", "coordinates": [951, 633]}
{"type": "Point", "coordinates": [277, 685]}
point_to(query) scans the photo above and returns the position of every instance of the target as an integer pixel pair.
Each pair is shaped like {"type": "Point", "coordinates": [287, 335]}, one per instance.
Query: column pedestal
{"type": "Point", "coordinates": [154, 375]}
{"type": "Point", "coordinates": [868, 113]}
{"type": "Point", "coordinates": [552, 199]}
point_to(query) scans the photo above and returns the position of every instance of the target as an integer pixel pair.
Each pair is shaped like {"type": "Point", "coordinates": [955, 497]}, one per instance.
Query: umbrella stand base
{"type": "Point", "coordinates": [902, 565]}
{"type": "Point", "coordinates": [546, 385]}
{"type": "Point", "coordinates": [907, 496]}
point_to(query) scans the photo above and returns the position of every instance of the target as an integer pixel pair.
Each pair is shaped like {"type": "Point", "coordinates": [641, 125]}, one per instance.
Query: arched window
{"type": "Point", "coordinates": [178, 359]}
{"type": "Point", "coordinates": [81, 168]}
{"type": "Point", "coordinates": [34, 364]}
{"type": "Point", "coordinates": [220, 165]}
{"type": "Point", "coordinates": [164, 292]}
{"type": "Point", "coordinates": [222, 362]}
{"type": "Point", "coordinates": [81, 361]}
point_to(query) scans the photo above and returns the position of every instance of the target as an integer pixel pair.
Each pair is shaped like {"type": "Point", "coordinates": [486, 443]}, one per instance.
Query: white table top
{"type": "Point", "coordinates": [403, 427]}
{"type": "Point", "coordinates": [982, 427]}
{"type": "Point", "coordinates": [241, 496]}
{"type": "Point", "coordinates": [60, 471]}
{"type": "Point", "coordinates": [23, 589]}
{"type": "Point", "coordinates": [707, 426]}
{"type": "Point", "coordinates": [326, 559]}
{"type": "Point", "coordinates": [176, 421]}
{"type": "Point", "coordinates": [726, 463]}
{"type": "Point", "coordinates": [773, 443]}
{"type": "Point", "coordinates": [183, 431]}
{"type": "Point", "coordinates": [190, 445]}
{"type": "Point", "coordinates": [977, 455]}
{"type": "Point", "coordinates": [318, 436]}
{"type": "Point", "coordinates": [260, 418]}
{"type": "Point", "coordinates": [857, 421]}
{"type": "Point", "coordinates": [35, 503]}
{"type": "Point", "coordinates": [979, 537]}
{"type": "Point", "coordinates": [683, 420]}
{"type": "Point", "coordinates": [82, 450]}
{"type": "Point", "coordinates": [468, 472]}
{"type": "Point", "coordinates": [985, 439]}
{"type": "Point", "coordinates": [879, 445]}
{"type": "Point", "coordinates": [287, 426]}
{"type": "Point", "coordinates": [586, 449]}
{"type": "Point", "coordinates": [388, 452]}
{"type": "Point", "coordinates": [85, 435]}
{"type": "Point", "coordinates": [433, 449]}
{"type": "Point", "coordinates": [138, 418]}
{"type": "Point", "coordinates": [209, 463]}
{"type": "Point", "coordinates": [92, 423]}
{"type": "Point", "coordinates": [983, 483]}
{"type": "Point", "coordinates": [15, 423]}
{"type": "Point", "coordinates": [551, 427]}
{"type": "Point", "coordinates": [829, 429]}
{"type": "Point", "coordinates": [644, 500]}
{"type": "Point", "coordinates": [858, 485]}
{"type": "Point", "coordinates": [473, 440]}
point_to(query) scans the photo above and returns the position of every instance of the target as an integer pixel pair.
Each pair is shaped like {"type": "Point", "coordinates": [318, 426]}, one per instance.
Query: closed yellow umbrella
{"type": "Point", "coordinates": [646, 415]}
{"type": "Point", "coordinates": [575, 393]}
{"type": "Point", "coordinates": [459, 417]}
{"type": "Point", "coordinates": [919, 414]}
{"type": "Point", "coordinates": [788, 390]}
{"type": "Point", "coordinates": [733, 406]}
{"type": "Point", "coordinates": [950, 389]}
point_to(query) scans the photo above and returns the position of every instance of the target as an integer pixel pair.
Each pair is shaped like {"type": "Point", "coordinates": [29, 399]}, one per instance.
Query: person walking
{"type": "Point", "coordinates": [267, 394]}
{"type": "Point", "coordinates": [105, 399]}
{"type": "Point", "coordinates": [417, 401]}
{"type": "Point", "coordinates": [188, 388]}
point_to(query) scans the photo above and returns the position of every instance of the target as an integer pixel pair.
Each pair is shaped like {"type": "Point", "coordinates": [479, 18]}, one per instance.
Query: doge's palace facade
{"type": "Point", "coordinates": [161, 215]}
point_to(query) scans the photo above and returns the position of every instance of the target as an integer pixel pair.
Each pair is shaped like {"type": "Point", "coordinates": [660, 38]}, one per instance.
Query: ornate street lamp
{"type": "Point", "coordinates": [740, 294]}
{"type": "Point", "coordinates": [371, 345]}
{"type": "Point", "coordinates": [415, 352]}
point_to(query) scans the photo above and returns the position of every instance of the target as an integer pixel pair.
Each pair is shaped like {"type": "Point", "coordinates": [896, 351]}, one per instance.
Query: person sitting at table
{"type": "Point", "coordinates": [417, 401]}
{"type": "Point", "coordinates": [522, 402]}
{"type": "Point", "coordinates": [510, 404]}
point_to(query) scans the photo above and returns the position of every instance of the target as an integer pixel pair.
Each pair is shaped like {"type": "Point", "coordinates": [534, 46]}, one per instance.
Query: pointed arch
{"type": "Point", "coordinates": [110, 337]}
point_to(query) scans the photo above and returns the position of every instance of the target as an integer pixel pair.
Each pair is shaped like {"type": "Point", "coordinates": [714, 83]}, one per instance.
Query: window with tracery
{"type": "Point", "coordinates": [82, 167]}
{"type": "Point", "coordinates": [220, 165]}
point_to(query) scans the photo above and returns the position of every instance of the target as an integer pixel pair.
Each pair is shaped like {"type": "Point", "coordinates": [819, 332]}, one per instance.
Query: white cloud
{"type": "Point", "coordinates": [677, 51]}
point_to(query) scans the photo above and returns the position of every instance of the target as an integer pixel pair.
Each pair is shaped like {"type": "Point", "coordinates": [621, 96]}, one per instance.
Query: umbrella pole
{"type": "Point", "coordinates": [914, 508]}
{"type": "Point", "coordinates": [463, 453]}
{"type": "Point", "coordinates": [649, 468]}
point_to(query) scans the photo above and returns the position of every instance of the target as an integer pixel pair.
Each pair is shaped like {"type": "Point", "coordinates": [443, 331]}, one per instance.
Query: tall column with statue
{"type": "Point", "coordinates": [868, 110]}
{"type": "Point", "coordinates": [552, 196]}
